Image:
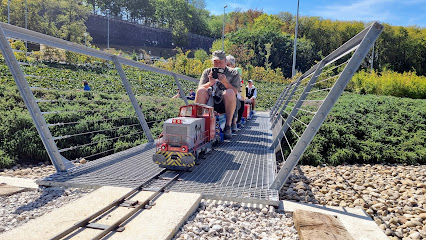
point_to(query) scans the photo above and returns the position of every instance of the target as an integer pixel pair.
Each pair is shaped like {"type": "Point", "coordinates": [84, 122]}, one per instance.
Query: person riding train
{"type": "Point", "coordinates": [251, 94]}
{"type": "Point", "coordinates": [224, 84]}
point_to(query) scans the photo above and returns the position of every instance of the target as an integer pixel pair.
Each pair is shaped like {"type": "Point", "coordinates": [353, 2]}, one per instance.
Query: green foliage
{"type": "Point", "coordinates": [388, 82]}
{"type": "Point", "coordinates": [19, 138]}
{"type": "Point", "coordinates": [59, 18]}
{"type": "Point", "coordinates": [371, 129]}
{"type": "Point", "coordinates": [400, 49]}
{"type": "Point", "coordinates": [180, 34]}
{"type": "Point", "coordinates": [279, 53]}
{"type": "Point", "coordinates": [201, 55]}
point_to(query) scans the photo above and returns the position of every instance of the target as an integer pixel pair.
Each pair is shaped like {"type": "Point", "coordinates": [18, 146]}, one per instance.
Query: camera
{"type": "Point", "coordinates": [215, 71]}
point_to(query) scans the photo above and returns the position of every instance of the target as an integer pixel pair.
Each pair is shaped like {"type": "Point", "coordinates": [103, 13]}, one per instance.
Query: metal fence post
{"type": "Point", "coordinates": [296, 85]}
{"type": "Point", "coordinates": [181, 92]}
{"type": "Point", "coordinates": [132, 98]}
{"type": "Point", "coordinates": [61, 164]}
{"type": "Point", "coordinates": [337, 89]}
{"type": "Point", "coordinates": [279, 105]}
{"type": "Point", "coordinates": [278, 101]}
{"type": "Point", "coordinates": [298, 104]}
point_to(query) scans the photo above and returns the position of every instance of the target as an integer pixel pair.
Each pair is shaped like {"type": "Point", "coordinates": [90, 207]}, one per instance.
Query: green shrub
{"type": "Point", "coordinates": [371, 129]}
{"type": "Point", "coordinates": [20, 140]}
{"type": "Point", "coordinates": [390, 83]}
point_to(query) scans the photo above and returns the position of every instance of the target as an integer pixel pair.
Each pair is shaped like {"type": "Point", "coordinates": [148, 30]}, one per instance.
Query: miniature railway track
{"type": "Point", "coordinates": [157, 184]}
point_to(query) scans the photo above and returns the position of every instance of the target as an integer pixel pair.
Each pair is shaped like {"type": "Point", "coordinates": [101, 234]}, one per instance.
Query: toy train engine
{"type": "Point", "coordinates": [184, 137]}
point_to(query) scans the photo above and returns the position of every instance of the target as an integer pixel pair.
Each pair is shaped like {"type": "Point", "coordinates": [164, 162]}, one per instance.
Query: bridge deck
{"type": "Point", "coordinates": [241, 169]}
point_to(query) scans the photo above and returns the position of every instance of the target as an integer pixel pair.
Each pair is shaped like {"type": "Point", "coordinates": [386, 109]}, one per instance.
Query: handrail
{"type": "Point", "coordinates": [32, 36]}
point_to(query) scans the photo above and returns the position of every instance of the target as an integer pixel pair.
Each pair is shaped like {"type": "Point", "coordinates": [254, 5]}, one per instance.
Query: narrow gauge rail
{"type": "Point", "coordinates": [161, 185]}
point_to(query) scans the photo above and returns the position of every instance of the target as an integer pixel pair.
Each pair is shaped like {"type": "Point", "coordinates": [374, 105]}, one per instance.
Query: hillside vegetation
{"type": "Point", "coordinates": [360, 129]}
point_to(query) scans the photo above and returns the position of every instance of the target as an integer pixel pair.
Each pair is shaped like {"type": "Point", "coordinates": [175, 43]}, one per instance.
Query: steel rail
{"type": "Point", "coordinates": [135, 210]}
{"type": "Point", "coordinates": [89, 121]}
{"type": "Point", "coordinates": [115, 203]}
{"type": "Point", "coordinates": [92, 143]}
{"type": "Point", "coordinates": [91, 132]}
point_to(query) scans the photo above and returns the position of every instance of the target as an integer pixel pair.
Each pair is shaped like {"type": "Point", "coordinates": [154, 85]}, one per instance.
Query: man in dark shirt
{"type": "Point", "coordinates": [224, 89]}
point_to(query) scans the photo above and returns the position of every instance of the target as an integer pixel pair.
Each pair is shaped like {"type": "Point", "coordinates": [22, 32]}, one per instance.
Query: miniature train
{"type": "Point", "coordinates": [194, 131]}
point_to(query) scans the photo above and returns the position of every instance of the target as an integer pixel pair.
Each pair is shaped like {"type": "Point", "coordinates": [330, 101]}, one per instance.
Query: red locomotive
{"type": "Point", "coordinates": [184, 137]}
{"type": "Point", "coordinates": [195, 130]}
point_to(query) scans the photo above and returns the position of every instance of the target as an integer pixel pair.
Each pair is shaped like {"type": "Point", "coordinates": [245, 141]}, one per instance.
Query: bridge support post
{"type": "Point", "coordinates": [362, 43]}
{"type": "Point", "coordinates": [132, 98]}
{"type": "Point", "coordinates": [61, 164]}
{"type": "Point", "coordinates": [181, 92]}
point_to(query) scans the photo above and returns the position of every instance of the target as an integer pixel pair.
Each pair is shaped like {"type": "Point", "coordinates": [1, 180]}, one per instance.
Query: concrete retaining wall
{"type": "Point", "coordinates": [130, 34]}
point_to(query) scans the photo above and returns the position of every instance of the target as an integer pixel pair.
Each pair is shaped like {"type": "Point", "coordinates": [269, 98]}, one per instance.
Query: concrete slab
{"type": "Point", "coordinates": [355, 220]}
{"type": "Point", "coordinates": [19, 182]}
{"type": "Point", "coordinates": [51, 224]}
{"type": "Point", "coordinates": [161, 222]}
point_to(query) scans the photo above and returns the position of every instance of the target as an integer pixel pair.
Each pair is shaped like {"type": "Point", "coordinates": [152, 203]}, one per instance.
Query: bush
{"type": "Point", "coordinates": [390, 83]}
{"type": "Point", "coordinates": [371, 129]}
{"type": "Point", "coordinates": [20, 140]}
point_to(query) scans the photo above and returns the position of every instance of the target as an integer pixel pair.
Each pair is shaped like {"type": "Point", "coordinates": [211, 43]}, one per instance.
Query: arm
{"type": "Point", "coordinates": [224, 80]}
{"type": "Point", "coordinates": [255, 93]}
{"type": "Point", "coordinates": [206, 79]}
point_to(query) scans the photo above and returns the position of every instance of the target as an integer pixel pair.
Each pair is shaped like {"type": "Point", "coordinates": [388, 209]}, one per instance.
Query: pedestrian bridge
{"type": "Point", "coordinates": [252, 167]}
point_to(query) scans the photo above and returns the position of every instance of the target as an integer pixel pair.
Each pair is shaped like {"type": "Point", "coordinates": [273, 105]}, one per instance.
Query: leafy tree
{"type": "Point", "coordinates": [180, 34]}
{"type": "Point", "coordinates": [215, 26]}
{"type": "Point", "coordinates": [59, 18]}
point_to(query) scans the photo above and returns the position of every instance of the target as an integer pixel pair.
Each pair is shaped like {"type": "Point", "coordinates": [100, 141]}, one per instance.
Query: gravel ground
{"type": "Point", "coordinates": [233, 221]}
{"type": "Point", "coordinates": [19, 208]}
{"type": "Point", "coordinates": [393, 195]}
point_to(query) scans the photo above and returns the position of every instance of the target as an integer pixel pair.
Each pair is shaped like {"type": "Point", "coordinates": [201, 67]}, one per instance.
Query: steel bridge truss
{"type": "Point", "coordinates": [12, 32]}
{"type": "Point", "coordinates": [309, 99]}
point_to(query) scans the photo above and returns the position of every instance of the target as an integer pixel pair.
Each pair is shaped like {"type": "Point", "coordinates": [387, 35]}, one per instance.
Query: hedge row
{"type": "Point", "coordinates": [19, 140]}
{"type": "Point", "coordinates": [371, 129]}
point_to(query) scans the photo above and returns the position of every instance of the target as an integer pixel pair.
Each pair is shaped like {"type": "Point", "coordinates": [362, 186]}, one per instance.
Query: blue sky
{"type": "Point", "coordinates": [394, 12]}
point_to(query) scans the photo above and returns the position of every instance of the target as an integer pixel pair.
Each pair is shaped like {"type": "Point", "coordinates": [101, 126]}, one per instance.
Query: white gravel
{"type": "Point", "coordinates": [393, 195]}
{"type": "Point", "coordinates": [234, 221]}
{"type": "Point", "coordinates": [19, 208]}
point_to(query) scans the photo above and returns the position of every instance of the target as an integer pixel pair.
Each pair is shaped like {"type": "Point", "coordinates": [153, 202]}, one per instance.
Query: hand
{"type": "Point", "coordinates": [212, 81]}
{"type": "Point", "coordinates": [223, 79]}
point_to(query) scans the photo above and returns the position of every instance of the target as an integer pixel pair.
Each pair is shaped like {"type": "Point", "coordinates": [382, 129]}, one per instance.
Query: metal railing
{"type": "Point", "coordinates": [309, 99]}
{"type": "Point", "coordinates": [51, 100]}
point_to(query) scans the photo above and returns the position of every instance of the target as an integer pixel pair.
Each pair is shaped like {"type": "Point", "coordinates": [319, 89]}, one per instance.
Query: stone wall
{"type": "Point", "coordinates": [130, 34]}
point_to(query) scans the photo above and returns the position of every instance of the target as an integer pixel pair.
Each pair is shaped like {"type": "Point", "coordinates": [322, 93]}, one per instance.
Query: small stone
{"type": "Point", "coordinates": [415, 235]}
{"type": "Point", "coordinates": [388, 232]}
{"type": "Point", "coordinates": [217, 228]}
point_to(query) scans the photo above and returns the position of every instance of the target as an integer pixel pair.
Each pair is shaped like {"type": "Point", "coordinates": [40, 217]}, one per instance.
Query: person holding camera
{"type": "Point", "coordinates": [224, 84]}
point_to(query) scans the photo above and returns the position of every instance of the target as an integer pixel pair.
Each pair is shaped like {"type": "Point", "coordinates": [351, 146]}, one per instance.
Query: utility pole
{"type": "Point", "coordinates": [293, 71]}
{"type": "Point", "coordinates": [108, 29]}
{"type": "Point", "coordinates": [26, 27]}
{"type": "Point", "coordinates": [223, 27]}
{"type": "Point", "coordinates": [8, 11]}
{"type": "Point", "coordinates": [372, 57]}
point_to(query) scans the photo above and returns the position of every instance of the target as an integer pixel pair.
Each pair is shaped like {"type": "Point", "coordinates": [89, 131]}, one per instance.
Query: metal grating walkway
{"type": "Point", "coordinates": [239, 170]}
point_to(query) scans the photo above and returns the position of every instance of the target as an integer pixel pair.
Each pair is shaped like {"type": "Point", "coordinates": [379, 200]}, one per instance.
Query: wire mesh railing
{"type": "Point", "coordinates": [304, 105]}
{"type": "Point", "coordinates": [109, 116]}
